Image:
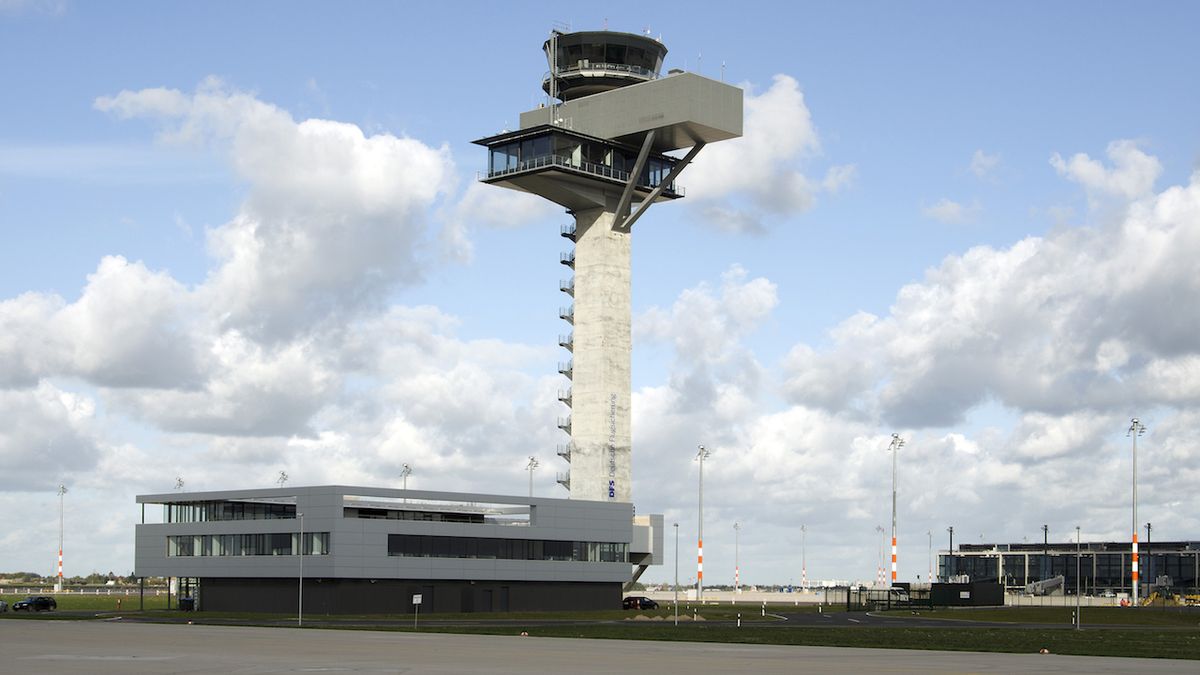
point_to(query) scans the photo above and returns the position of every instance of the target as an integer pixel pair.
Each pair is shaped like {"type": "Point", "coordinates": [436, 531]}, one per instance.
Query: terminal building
{"type": "Point", "coordinates": [1104, 567]}
{"type": "Point", "coordinates": [371, 550]}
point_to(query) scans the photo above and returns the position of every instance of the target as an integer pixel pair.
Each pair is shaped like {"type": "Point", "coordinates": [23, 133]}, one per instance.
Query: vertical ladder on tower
{"type": "Point", "coordinates": [567, 342]}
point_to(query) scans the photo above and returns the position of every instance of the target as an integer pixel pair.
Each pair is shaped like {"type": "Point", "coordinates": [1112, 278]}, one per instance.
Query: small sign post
{"type": "Point", "coordinates": [416, 609]}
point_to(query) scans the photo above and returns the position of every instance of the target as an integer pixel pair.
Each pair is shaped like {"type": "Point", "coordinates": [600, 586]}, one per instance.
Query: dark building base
{"type": "Point", "coordinates": [974, 594]}
{"type": "Point", "coordinates": [395, 596]}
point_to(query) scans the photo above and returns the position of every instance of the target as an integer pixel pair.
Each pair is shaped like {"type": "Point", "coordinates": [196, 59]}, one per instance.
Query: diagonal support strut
{"type": "Point", "coordinates": [626, 224]}
{"type": "Point", "coordinates": [627, 195]}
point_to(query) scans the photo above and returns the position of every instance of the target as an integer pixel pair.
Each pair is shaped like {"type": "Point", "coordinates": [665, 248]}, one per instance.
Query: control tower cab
{"type": "Point", "coordinates": [590, 62]}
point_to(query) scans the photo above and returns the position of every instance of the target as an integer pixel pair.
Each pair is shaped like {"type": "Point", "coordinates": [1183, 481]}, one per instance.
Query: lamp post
{"type": "Point", "coordinates": [1149, 559]}
{"type": "Point", "coordinates": [676, 574]}
{"type": "Point", "coordinates": [1045, 557]}
{"type": "Point", "coordinates": [300, 550]}
{"type": "Point", "coordinates": [533, 464]}
{"type": "Point", "coordinates": [950, 555]}
{"type": "Point", "coordinates": [62, 490]}
{"type": "Point", "coordinates": [405, 472]}
{"type": "Point", "coordinates": [737, 566]}
{"type": "Point", "coordinates": [804, 557]}
{"type": "Point", "coordinates": [1136, 428]}
{"type": "Point", "coordinates": [1079, 619]}
{"type": "Point", "coordinates": [894, 447]}
{"type": "Point", "coordinates": [700, 457]}
{"type": "Point", "coordinates": [929, 533]}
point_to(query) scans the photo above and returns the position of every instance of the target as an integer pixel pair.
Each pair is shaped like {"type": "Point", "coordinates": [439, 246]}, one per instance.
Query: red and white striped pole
{"type": "Point", "coordinates": [897, 443]}
{"type": "Point", "coordinates": [62, 490]}
{"type": "Point", "coordinates": [893, 560]}
{"type": "Point", "coordinates": [737, 564]}
{"type": "Point", "coordinates": [879, 566]}
{"type": "Point", "coordinates": [804, 556]}
{"type": "Point", "coordinates": [1136, 428]}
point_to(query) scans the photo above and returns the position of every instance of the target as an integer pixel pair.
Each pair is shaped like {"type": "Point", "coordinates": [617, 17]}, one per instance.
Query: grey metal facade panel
{"type": "Point", "coordinates": [685, 108]}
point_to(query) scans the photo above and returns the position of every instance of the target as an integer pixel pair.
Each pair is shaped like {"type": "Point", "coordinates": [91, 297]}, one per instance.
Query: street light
{"type": "Point", "coordinates": [179, 482]}
{"type": "Point", "coordinates": [700, 457]}
{"type": "Point", "coordinates": [737, 566]}
{"type": "Point", "coordinates": [676, 574]}
{"type": "Point", "coordinates": [950, 555]}
{"type": "Point", "coordinates": [300, 602]}
{"type": "Point", "coordinates": [1045, 551]}
{"type": "Point", "coordinates": [1079, 619]}
{"type": "Point", "coordinates": [283, 477]}
{"type": "Point", "coordinates": [895, 446]}
{"type": "Point", "coordinates": [929, 533]}
{"type": "Point", "coordinates": [62, 490]}
{"type": "Point", "coordinates": [1149, 558]}
{"type": "Point", "coordinates": [533, 464]}
{"type": "Point", "coordinates": [1136, 428]}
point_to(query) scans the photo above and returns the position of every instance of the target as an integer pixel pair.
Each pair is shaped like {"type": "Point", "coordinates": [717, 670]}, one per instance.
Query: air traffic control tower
{"type": "Point", "coordinates": [598, 149]}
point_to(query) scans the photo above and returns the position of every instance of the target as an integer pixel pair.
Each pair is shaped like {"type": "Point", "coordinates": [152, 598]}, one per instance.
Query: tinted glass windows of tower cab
{"type": "Point", "coordinates": [614, 53]}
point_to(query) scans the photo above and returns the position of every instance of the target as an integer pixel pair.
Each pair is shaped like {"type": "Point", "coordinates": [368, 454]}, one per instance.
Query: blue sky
{"type": "Point", "coordinates": [974, 278]}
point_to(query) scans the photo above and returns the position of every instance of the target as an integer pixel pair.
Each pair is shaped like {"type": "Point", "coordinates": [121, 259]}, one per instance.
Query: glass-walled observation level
{"type": "Point", "coordinates": [550, 148]}
{"type": "Point", "coordinates": [589, 62]}
{"type": "Point", "coordinates": [202, 512]}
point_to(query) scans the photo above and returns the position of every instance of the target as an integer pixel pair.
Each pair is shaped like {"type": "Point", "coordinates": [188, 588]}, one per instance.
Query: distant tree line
{"type": "Point", "coordinates": [93, 579]}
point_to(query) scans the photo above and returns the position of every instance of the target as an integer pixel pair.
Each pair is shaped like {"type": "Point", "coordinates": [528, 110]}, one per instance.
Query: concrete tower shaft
{"type": "Point", "coordinates": [600, 153]}
{"type": "Point", "coordinates": [600, 380]}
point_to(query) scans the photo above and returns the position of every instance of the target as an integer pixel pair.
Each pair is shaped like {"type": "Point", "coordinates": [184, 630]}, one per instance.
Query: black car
{"type": "Point", "coordinates": [35, 603]}
{"type": "Point", "coordinates": [638, 602]}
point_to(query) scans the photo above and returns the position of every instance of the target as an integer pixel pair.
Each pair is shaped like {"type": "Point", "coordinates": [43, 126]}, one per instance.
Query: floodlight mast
{"type": "Point", "coordinates": [62, 490]}
{"type": "Point", "coordinates": [737, 566]}
{"type": "Point", "coordinates": [895, 446]}
{"type": "Point", "coordinates": [1136, 428]}
{"type": "Point", "coordinates": [804, 557]}
{"type": "Point", "coordinates": [701, 455]}
{"type": "Point", "coordinates": [533, 464]}
{"type": "Point", "coordinates": [600, 150]}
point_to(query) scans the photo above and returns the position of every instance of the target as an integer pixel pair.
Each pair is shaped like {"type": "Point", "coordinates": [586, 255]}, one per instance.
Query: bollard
{"type": "Point", "coordinates": [739, 620]}
{"type": "Point", "coordinates": [764, 608]}
{"type": "Point", "coordinates": [819, 610]}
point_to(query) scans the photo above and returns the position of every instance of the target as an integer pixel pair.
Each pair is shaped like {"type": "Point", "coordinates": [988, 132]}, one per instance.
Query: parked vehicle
{"type": "Point", "coordinates": [638, 602]}
{"type": "Point", "coordinates": [35, 603]}
{"type": "Point", "coordinates": [3, 606]}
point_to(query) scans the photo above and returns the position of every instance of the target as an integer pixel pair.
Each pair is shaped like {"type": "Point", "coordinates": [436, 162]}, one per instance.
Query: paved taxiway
{"type": "Point", "coordinates": [116, 647]}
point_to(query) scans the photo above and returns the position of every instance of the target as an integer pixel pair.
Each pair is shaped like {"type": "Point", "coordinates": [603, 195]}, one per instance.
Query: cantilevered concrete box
{"type": "Point", "coordinates": [683, 108]}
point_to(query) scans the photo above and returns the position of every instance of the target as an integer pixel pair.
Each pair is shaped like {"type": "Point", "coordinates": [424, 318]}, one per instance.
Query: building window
{"type": "Point", "coordinates": [430, 546]}
{"type": "Point", "coordinates": [190, 545]}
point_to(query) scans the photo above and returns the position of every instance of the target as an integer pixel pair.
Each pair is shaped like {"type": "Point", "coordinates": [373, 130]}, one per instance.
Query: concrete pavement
{"type": "Point", "coordinates": [116, 647]}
